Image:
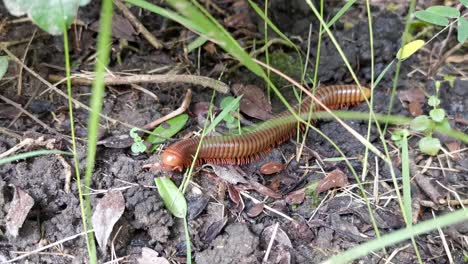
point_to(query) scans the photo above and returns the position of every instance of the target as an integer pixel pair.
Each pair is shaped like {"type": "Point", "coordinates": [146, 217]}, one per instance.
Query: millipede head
{"type": "Point", "coordinates": [172, 160]}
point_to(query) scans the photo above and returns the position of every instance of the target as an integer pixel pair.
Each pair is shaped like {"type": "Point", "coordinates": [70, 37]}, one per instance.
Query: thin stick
{"type": "Point", "coordinates": [138, 25]}
{"type": "Point", "coordinates": [48, 246]}
{"type": "Point", "coordinates": [145, 78]}
{"type": "Point", "coordinates": [270, 245]}
{"type": "Point", "coordinates": [18, 106]}
{"type": "Point", "coordinates": [182, 108]}
{"type": "Point", "coordinates": [20, 74]}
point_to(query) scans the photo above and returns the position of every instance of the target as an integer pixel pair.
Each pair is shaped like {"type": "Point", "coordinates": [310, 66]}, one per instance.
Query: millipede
{"type": "Point", "coordinates": [243, 149]}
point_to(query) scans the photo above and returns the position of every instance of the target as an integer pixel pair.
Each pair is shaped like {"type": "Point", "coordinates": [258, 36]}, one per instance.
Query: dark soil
{"type": "Point", "coordinates": [222, 229]}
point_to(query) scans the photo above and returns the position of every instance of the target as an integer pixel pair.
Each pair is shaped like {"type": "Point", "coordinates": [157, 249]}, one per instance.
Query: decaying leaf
{"type": "Point", "coordinates": [149, 256]}
{"type": "Point", "coordinates": [454, 146]}
{"type": "Point", "coordinates": [228, 174]}
{"type": "Point", "coordinates": [271, 168]}
{"type": "Point", "coordinates": [415, 99]}
{"type": "Point", "coordinates": [254, 102]}
{"type": "Point", "coordinates": [19, 209]}
{"type": "Point", "coordinates": [296, 197]}
{"type": "Point", "coordinates": [334, 179]}
{"type": "Point", "coordinates": [108, 211]}
{"type": "Point", "coordinates": [256, 210]}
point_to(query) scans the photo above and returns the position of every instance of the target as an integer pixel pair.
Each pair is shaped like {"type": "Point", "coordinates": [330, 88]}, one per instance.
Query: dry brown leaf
{"type": "Point", "coordinates": [19, 209]}
{"type": "Point", "coordinates": [454, 146]}
{"type": "Point", "coordinates": [255, 210]}
{"type": "Point", "coordinates": [415, 108]}
{"type": "Point", "coordinates": [412, 95]}
{"type": "Point", "coordinates": [334, 179]}
{"type": "Point", "coordinates": [271, 168]}
{"type": "Point", "coordinates": [108, 211]}
{"type": "Point", "coordinates": [296, 197]}
{"type": "Point", "coordinates": [254, 102]}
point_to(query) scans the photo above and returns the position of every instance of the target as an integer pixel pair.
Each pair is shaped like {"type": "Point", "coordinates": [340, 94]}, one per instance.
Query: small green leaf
{"type": "Point", "coordinates": [410, 48]}
{"type": "Point", "coordinates": [462, 30]}
{"type": "Point", "coordinates": [445, 11]}
{"type": "Point", "coordinates": [134, 132]}
{"type": "Point", "coordinates": [437, 86]}
{"type": "Point", "coordinates": [3, 66]}
{"type": "Point", "coordinates": [450, 79]}
{"type": "Point", "coordinates": [431, 18]}
{"type": "Point", "coordinates": [138, 147]}
{"type": "Point", "coordinates": [429, 145]}
{"type": "Point", "coordinates": [420, 123]}
{"type": "Point", "coordinates": [433, 101]}
{"type": "Point", "coordinates": [437, 114]}
{"type": "Point", "coordinates": [198, 42]}
{"type": "Point", "coordinates": [167, 130]}
{"type": "Point", "coordinates": [464, 2]}
{"type": "Point", "coordinates": [52, 16]}
{"type": "Point", "coordinates": [233, 105]}
{"type": "Point", "coordinates": [173, 199]}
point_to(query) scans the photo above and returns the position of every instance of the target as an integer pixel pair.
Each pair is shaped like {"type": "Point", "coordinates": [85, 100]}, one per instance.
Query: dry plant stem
{"type": "Point", "coordinates": [17, 106]}
{"type": "Point", "coordinates": [11, 151]}
{"type": "Point", "coordinates": [20, 74]}
{"type": "Point", "coordinates": [436, 65]}
{"type": "Point", "coordinates": [268, 207]}
{"type": "Point", "coordinates": [144, 78]}
{"type": "Point", "coordinates": [10, 133]}
{"type": "Point", "coordinates": [137, 24]}
{"type": "Point", "coordinates": [270, 244]}
{"type": "Point", "coordinates": [146, 91]}
{"type": "Point", "coordinates": [182, 108]}
{"type": "Point", "coordinates": [60, 92]}
{"type": "Point", "coordinates": [47, 247]}
{"type": "Point", "coordinates": [68, 172]}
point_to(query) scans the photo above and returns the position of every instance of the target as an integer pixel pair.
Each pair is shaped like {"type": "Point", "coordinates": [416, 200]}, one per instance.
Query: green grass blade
{"type": "Point", "coordinates": [103, 51]}
{"type": "Point", "coordinates": [399, 236]}
{"type": "Point", "coordinates": [32, 154]}
{"type": "Point", "coordinates": [233, 105]}
{"type": "Point", "coordinates": [340, 13]}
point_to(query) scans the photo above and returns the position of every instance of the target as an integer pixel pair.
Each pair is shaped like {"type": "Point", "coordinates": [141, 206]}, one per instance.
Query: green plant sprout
{"type": "Point", "coordinates": [231, 121]}
{"type": "Point", "coordinates": [439, 15]}
{"type": "Point", "coordinates": [427, 124]}
{"type": "Point", "coordinates": [138, 145]}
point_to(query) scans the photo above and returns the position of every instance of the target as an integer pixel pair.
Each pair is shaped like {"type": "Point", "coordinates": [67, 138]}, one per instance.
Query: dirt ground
{"type": "Point", "coordinates": [225, 226]}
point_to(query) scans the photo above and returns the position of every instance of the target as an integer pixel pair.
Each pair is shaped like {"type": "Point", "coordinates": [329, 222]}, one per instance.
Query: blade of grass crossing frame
{"type": "Point", "coordinates": [103, 51]}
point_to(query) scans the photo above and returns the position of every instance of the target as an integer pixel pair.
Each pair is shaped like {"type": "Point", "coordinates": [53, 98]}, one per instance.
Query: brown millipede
{"type": "Point", "coordinates": [242, 149]}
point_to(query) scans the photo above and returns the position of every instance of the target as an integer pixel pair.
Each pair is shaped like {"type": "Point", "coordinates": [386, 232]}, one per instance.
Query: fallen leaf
{"type": "Point", "coordinates": [213, 230]}
{"type": "Point", "coordinates": [271, 168]}
{"type": "Point", "coordinates": [336, 178]}
{"type": "Point", "coordinates": [454, 146]}
{"type": "Point", "coordinates": [121, 28]}
{"type": "Point", "coordinates": [108, 211]}
{"type": "Point", "coordinates": [254, 102]}
{"type": "Point", "coordinates": [149, 256]}
{"type": "Point", "coordinates": [412, 95]}
{"type": "Point", "coordinates": [296, 197]}
{"type": "Point", "coordinates": [415, 108]}
{"type": "Point", "coordinates": [210, 47]}
{"type": "Point", "coordinates": [415, 98]}
{"type": "Point", "coordinates": [256, 210]}
{"type": "Point", "coordinates": [19, 209]}
{"type": "Point", "coordinates": [234, 194]}
{"type": "Point", "coordinates": [264, 190]}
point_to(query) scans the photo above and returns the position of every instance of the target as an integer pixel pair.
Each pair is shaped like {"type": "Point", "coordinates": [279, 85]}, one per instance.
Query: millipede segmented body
{"type": "Point", "coordinates": [242, 149]}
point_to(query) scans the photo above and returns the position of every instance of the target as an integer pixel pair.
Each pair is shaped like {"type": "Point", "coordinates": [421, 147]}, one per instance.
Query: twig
{"type": "Point", "coordinates": [47, 247]}
{"type": "Point", "coordinates": [20, 74]}
{"type": "Point", "coordinates": [144, 78]}
{"type": "Point", "coordinates": [25, 106]}
{"type": "Point", "coordinates": [11, 151]}
{"type": "Point", "coordinates": [270, 245]}
{"type": "Point", "coordinates": [268, 207]}
{"type": "Point", "coordinates": [60, 92]}
{"type": "Point", "coordinates": [185, 104]}
{"type": "Point", "coordinates": [68, 172]}
{"type": "Point", "coordinates": [138, 25]}
{"type": "Point", "coordinates": [18, 106]}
